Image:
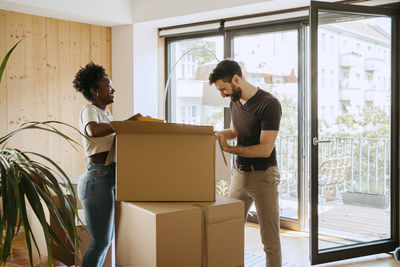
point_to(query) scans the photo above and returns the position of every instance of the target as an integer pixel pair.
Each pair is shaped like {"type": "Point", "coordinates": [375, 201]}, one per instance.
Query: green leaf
{"type": "Point", "coordinates": [22, 178]}
{"type": "Point", "coordinates": [4, 63]}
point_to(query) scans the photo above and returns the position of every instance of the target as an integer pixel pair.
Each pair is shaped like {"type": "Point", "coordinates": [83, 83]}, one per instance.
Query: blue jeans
{"type": "Point", "coordinates": [96, 191]}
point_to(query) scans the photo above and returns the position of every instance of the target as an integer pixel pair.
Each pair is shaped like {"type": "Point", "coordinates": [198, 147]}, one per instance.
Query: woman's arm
{"type": "Point", "coordinates": [95, 129]}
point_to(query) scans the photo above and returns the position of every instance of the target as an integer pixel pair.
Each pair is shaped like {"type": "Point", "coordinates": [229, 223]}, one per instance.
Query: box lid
{"type": "Point", "coordinates": [222, 209]}
{"type": "Point", "coordinates": [158, 208]}
{"type": "Point", "coordinates": [147, 127]}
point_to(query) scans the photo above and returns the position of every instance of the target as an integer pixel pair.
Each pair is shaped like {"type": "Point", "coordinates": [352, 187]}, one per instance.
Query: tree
{"type": "Point", "coordinates": [202, 56]}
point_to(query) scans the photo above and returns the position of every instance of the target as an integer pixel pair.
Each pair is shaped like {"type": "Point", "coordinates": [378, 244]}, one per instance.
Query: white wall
{"type": "Point", "coordinates": [122, 70]}
{"type": "Point", "coordinates": [99, 12]}
{"type": "Point", "coordinates": [145, 70]}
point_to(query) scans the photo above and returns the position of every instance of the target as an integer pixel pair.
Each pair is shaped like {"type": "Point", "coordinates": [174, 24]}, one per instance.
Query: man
{"type": "Point", "coordinates": [255, 123]}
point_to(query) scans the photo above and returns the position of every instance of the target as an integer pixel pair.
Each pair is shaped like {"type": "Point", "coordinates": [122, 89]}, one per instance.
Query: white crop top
{"type": "Point", "coordinates": [91, 113]}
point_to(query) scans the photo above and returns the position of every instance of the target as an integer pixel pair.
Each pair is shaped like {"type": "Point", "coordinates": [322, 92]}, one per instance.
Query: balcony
{"type": "Point", "coordinates": [376, 96]}
{"type": "Point", "coordinates": [343, 209]}
{"type": "Point", "coordinates": [349, 60]}
{"type": "Point", "coordinates": [349, 94]}
{"type": "Point", "coordinates": [373, 64]}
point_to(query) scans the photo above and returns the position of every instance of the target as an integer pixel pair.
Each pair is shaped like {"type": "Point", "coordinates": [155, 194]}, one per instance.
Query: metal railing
{"type": "Point", "coordinates": [369, 171]}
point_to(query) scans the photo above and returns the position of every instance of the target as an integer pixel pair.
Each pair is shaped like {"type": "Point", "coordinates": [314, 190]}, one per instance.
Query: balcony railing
{"type": "Point", "coordinates": [369, 171]}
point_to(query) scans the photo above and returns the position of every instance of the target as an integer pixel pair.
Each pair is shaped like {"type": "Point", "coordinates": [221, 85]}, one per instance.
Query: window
{"type": "Point", "coordinates": [271, 62]}
{"type": "Point", "coordinates": [369, 75]}
{"type": "Point", "coordinates": [345, 106]}
{"type": "Point", "coordinates": [323, 78]}
{"type": "Point", "coordinates": [190, 100]}
{"type": "Point", "coordinates": [345, 73]}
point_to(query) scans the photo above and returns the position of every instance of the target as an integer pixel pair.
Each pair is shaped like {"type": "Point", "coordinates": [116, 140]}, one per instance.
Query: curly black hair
{"type": "Point", "coordinates": [87, 78]}
{"type": "Point", "coordinates": [225, 70]}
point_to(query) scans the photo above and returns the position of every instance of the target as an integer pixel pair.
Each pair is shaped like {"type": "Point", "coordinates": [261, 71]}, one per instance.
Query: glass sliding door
{"type": "Point", "coordinates": [354, 130]}
{"type": "Point", "coordinates": [269, 60]}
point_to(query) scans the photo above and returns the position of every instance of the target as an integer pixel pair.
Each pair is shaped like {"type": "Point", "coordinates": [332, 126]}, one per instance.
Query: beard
{"type": "Point", "coordinates": [236, 93]}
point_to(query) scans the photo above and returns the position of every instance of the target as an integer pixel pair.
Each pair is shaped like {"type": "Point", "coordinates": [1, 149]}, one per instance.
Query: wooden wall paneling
{"type": "Point", "coordinates": [38, 81]}
{"type": "Point", "coordinates": [64, 89]}
{"type": "Point", "coordinates": [77, 60]}
{"type": "Point", "coordinates": [95, 44]}
{"type": "Point", "coordinates": [3, 83]}
{"type": "Point", "coordinates": [106, 52]}
{"type": "Point", "coordinates": [26, 82]}
{"type": "Point", "coordinates": [83, 48]}
{"type": "Point", "coordinates": [19, 76]}
{"type": "Point", "coordinates": [53, 96]}
{"type": "Point", "coordinates": [105, 49]}
{"type": "Point", "coordinates": [39, 36]}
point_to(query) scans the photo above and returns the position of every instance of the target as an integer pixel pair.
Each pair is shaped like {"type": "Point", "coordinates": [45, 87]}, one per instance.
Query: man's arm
{"type": "Point", "coordinates": [264, 149]}
{"type": "Point", "coordinates": [230, 133]}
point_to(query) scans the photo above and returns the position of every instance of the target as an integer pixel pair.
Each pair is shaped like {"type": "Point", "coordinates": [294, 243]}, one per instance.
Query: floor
{"type": "Point", "coordinates": [295, 252]}
{"type": "Point", "coordinates": [344, 220]}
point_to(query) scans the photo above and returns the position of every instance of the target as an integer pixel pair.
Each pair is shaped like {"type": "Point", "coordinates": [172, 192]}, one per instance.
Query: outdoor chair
{"type": "Point", "coordinates": [332, 173]}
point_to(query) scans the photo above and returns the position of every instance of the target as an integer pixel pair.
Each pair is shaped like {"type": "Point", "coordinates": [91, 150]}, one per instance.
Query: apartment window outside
{"type": "Point", "coordinates": [323, 78]}
{"type": "Point", "coordinates": [332, 44]}
{"type": "Point", "coordinates": [272, 65]}
{"type": "Point", "coordinates": [193, 101]}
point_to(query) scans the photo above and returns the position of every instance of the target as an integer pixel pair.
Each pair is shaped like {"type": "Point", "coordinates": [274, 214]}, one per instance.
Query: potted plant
{"type": "Point", "coordinates": [29, 177]}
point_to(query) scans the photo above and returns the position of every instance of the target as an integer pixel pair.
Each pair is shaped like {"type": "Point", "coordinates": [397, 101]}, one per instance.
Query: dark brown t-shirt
{"type": "Point", "coordinates": [261, 112]}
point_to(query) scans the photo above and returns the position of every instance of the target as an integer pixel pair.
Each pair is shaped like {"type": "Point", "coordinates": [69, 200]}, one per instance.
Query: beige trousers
{"type": "Point", "coordinates": [262, 188]}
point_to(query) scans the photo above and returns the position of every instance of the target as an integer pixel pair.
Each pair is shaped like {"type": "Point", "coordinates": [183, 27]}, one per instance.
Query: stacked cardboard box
{"type": "Point", "coordinates": [172, 162]}
{"type": "Point", "coordinates": [180, 234]}
{"type": "Point", "coordinates": [164, 162]}
{"type": "Point", "coordinates": [222, 232]}
{"type": "Point", "coordinates": [154, 234]}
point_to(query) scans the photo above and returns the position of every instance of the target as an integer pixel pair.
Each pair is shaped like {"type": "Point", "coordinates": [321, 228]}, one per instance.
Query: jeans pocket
{"type": "Point", "coordinates": [82, 189]}
{"type": "Point", "coordinates": [272, 175]}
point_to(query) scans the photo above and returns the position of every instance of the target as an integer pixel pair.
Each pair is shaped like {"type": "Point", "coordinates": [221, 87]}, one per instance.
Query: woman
{"type": "Point", "coordinates": [96, 188]}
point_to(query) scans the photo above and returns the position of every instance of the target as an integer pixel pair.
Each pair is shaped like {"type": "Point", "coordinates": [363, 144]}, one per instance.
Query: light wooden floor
{"type": "Point", "coordinates": [344, 220]}
{"type": "Point", "coordinates": [295, 251]}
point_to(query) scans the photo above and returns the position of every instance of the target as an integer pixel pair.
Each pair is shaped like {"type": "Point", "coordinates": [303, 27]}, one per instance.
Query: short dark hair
{"type": "Point", "coordinates": [87, 78]}
{"type": "Point", "coordinates": [225, 71]}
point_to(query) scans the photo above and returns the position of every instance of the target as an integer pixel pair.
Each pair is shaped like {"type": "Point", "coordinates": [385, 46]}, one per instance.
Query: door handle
{"type": "Point", "coordinates": [315, 141]}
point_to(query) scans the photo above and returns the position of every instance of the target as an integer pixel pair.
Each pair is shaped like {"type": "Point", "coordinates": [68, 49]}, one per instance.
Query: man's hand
{"type": "Point", "coordinates": [135, 117]}
{"type": "Point", "coordinates": [222, 140]}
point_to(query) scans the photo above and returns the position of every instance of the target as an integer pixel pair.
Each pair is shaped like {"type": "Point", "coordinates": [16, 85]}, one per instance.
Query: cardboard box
{"type": "Point", "coordinates": [164, 162]}
{"type": "Point", "coordinates": [222, 232]}
{"type": "Point", "coordinates": [84, 236]}
{"type": "Point", "coordinates": [158, 234]}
